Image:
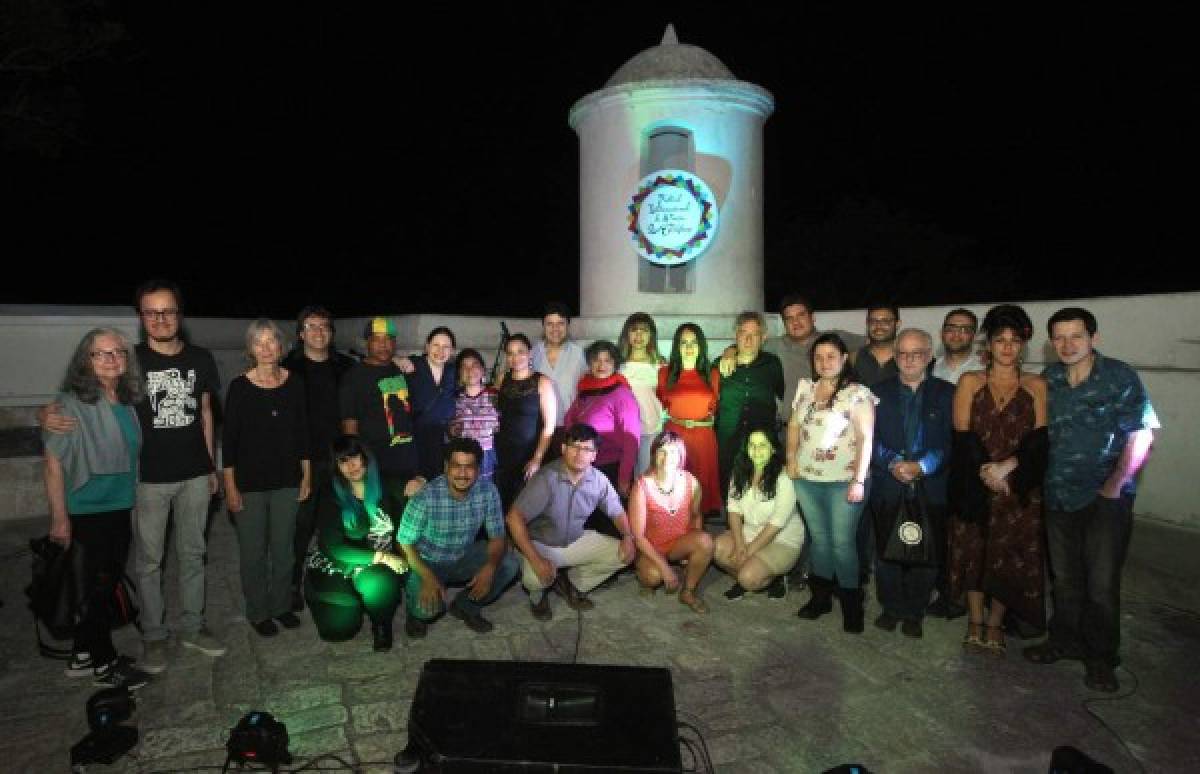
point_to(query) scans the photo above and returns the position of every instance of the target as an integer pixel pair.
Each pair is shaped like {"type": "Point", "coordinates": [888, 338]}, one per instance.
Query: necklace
{"type": "Point", "coordinates": [666, 493]}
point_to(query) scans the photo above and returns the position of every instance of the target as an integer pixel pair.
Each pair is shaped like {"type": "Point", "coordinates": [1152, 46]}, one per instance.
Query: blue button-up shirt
{"type": "Point", "coordinates": [441, 527]}
{"type": "Point", "coordinates": [1089, 425]}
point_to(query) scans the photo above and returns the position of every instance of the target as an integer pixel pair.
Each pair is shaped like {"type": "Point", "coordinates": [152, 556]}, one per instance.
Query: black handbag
{"type": "Point", "coordinates": [58, 597]}
{"type": "Point", "coordinates": [910, 540]}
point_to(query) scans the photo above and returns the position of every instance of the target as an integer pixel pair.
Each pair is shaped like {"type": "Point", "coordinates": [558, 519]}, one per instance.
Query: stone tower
{"type": "Point", "coordinates": [678, 108]}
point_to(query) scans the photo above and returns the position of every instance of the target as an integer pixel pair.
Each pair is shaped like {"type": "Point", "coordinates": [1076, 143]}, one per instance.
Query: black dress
{"type": "Point", "coordinates": [433, 408]}
{"type": "Point", "coordinates": [517, 439]}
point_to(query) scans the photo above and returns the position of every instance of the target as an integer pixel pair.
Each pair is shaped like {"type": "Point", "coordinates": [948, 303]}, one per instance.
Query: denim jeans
{"type": "Point", "coordinates": [458, 572]}
{"type": "Point", "coordinates": [155, 502]}
{"type": "Point", "coordinates": [1087, 552]}
{"type": "Point", "coordinates": [833, 525]}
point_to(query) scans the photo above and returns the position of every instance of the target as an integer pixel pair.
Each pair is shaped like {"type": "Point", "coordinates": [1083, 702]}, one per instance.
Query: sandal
{"type": "Point", "coordinates": [647, 592]}
{"type": "Point", "coordinates": [691, 599]}
{"type": "Point", "coordinates": [972, 641]}
{"type": "Point", "coordinates": [993, 646]}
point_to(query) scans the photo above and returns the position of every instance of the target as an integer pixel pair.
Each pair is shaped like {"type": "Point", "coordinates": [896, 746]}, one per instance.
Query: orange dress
{"type": "Point", "coordinates": [691, 398]}
{"type": "Point", "coordinates": [667, 515]}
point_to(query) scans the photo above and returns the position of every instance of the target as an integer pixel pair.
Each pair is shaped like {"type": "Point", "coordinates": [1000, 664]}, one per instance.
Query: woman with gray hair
{"type": "Point", "coordinates": [91, 483]}
{"type": "Point", "coordinates": [266, 458]}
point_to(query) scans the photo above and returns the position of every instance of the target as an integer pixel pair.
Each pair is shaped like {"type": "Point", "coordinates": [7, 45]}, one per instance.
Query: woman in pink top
{"type": "Point", "coordinates": [605, 401]}
{"type": "Point", "coordinates": [668, 525]}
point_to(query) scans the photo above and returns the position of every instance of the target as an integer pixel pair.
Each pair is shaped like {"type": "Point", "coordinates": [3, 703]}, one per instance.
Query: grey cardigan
{"type": "Point", "coordinates": [95, 448]}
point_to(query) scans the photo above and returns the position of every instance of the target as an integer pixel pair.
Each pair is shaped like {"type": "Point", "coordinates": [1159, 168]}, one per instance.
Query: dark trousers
{"type": "Point", "coordinates": [104, 539]}
{"type": "Point", "coordinates": [337, 603]}
{"type": "Point", "coordinates": [319, 506]}
{"type": "Point", "coordinates": [1087, 552]}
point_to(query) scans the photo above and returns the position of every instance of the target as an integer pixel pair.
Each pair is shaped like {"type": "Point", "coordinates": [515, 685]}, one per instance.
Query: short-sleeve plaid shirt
{"type": "Point", "coordinates": [441, 527]}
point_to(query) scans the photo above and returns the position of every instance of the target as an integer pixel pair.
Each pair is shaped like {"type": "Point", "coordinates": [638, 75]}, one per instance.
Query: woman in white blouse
{"type": "Point", "coordinates": [640, 364]}
{"type": "Point", "coordinates": [828, 455]}
{"type": "Point", "coordinates": [766, 533]}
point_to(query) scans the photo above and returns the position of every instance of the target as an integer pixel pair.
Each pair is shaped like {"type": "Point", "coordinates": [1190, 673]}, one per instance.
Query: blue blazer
{"type": "Point", "coordinates": [935, 435]}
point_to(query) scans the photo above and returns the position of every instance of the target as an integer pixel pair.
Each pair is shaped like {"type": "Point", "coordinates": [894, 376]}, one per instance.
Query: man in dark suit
{"type": "Point", "coordinates": [913, 432]}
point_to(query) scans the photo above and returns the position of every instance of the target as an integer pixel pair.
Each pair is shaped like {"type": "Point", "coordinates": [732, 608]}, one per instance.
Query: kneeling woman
{"type": "Point", "coordinates": [766, 533]}
{"type": "Point", "coordinates": [667, 523]}
{"type": "Point", "coordinates": [356, 567]}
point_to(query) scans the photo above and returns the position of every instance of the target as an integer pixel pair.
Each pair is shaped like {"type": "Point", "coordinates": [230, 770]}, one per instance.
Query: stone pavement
{"type": "Point", "coordinates": [770, 693]}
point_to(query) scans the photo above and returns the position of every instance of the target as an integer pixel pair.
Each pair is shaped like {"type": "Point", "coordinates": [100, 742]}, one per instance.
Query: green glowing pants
{"type": "Point", "coordinates": [337, 603]}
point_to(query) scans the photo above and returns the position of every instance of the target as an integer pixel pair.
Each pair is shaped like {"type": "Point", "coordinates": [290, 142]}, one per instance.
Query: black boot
{"type": "Point", "coordinates": [851, 601]}
{"type": "Point", "coordinates": [820, 603]}
{"type": "Point", "coordinates": [382, 633]}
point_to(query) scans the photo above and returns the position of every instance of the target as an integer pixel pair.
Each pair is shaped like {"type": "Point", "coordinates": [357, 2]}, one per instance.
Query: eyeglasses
{"type": "Point", "coordinates": [110, 354]}
{"type": "Point", "coordinates": [160, 314]}
{"type": "Point", "coordinates": [969, 329]}
{"type": "Point", "coordinates": [913, 354]}
{"type": "Point", "coordinates": [313, 327]}
{"type": "Point", "coordinates": [581, 448]}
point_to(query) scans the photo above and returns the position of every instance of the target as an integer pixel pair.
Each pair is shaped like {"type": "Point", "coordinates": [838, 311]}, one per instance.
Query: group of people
{"type": "Point", "coordinates": [414, 474]}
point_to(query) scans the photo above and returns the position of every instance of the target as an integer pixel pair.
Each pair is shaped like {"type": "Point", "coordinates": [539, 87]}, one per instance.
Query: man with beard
{"type": "Point", "coordinates": [437, 536]}
{"type": "Point", "coordinates": [876, 360]}
{"type": "Point", "coordinates": [958, 346]}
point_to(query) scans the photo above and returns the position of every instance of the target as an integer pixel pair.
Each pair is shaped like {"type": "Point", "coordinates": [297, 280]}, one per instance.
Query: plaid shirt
{"type": "Point", "coordinates": [441, 527]}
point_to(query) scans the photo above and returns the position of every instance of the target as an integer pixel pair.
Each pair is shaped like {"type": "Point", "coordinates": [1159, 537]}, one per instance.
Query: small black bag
{"type": "Point", "coordinates": [58, 597]}
{"type": "Point", "coordinates": [910, 540]}
{"type": "Point", "coordinates": [54, 592]}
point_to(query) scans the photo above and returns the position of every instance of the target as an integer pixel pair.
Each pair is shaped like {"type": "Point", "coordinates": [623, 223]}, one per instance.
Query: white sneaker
{"type": "Point", "coordinates": [154, 656]}
{"type": "Point", "coordinates": [203, 641]}
{"type": "Point", "coordinates": [119, 674]}
{"type": "Point", "coordinates": [80, 665]}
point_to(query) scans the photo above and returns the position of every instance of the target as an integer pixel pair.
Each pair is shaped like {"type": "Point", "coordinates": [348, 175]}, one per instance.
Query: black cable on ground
{"type": "Point", "coordinates": [705, 757]}
{"type": "Point", "coordinates": [1087, 706]}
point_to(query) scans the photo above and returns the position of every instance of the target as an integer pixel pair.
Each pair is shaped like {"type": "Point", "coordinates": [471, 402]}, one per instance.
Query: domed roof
{"type": "Point", "coordinates": [671, 60]}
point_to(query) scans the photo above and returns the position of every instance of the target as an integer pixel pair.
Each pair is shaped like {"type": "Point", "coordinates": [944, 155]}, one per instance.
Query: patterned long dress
{"type": "Point", "coordinates": [1003, 557]}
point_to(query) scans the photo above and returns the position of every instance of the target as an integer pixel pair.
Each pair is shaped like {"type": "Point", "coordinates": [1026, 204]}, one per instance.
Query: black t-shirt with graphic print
{"type": "Point", "coordinates": [173, 448]}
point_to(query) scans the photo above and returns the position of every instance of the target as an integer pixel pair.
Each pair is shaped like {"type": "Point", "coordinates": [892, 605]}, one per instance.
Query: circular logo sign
{"type": "Point", "coordinates": [909, 533]}
{"type": "Point", "coordinates": [672, 217]}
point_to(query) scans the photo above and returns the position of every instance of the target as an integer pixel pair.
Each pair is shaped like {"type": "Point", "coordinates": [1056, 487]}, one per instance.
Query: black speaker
{"type": "Point", "coordinates": [520, 716]}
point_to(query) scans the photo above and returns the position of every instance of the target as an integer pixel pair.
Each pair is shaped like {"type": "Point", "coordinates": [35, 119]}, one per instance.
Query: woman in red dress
{"type": "Point", "coordinates": [688, 388]}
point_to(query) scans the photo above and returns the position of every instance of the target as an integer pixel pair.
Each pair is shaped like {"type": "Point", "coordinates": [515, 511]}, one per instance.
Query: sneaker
{"type": "Point", "coordinates": [120, 674]}
{"type": "Point", "coordinates": [154, 656]}
{"type": "Point", "coordinates": [778, 588]}
{"type": "Point", "coordinates": [735, 592]}
{"type": "Point", "coordinates": [80, 665]}
{"type": "Point", "coordinates": [265, 628]}
{"type": "Point", "coordinates": [288, 620]}
{"type": "Point", "coordinates": [474, 621]}
{"type": "Point", "coordinates": [205, 642]}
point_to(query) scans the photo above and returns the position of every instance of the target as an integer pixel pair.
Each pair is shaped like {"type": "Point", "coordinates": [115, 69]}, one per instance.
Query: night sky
{"type": "Point", "coordinates": [421, 161]}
